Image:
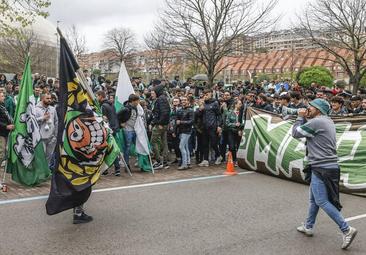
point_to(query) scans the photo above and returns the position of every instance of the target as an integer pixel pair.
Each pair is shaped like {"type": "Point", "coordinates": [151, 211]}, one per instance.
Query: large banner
{"type": "Point", "coordinates": [268, 147]}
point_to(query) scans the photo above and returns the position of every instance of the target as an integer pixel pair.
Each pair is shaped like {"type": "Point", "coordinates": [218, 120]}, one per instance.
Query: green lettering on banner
{"type": "Point", "coordinates": [293, 156]}
{"type": "Point", "coordinates": [268, 137]}
{"type": "Point", "coordinates": [352, 155]}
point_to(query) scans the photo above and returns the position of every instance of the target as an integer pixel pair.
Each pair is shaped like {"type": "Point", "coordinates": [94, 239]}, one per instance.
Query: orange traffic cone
{"type": "Point", "coordinates": [230, 165]}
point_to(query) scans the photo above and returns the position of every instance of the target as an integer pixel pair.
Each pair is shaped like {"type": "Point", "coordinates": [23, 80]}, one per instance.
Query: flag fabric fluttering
{"type": "Point", "coordinates": [85, 145]}
{"type": "Point", "coordinates": [142, 148]}
{"type": "Point", "coordinates": [27, 160]}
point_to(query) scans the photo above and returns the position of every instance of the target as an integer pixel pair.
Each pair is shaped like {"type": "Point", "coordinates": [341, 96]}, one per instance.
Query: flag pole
{"type": "Point", "coordinates": [152, 167]}
{"type": "Point", "coordinates": [124, 162]}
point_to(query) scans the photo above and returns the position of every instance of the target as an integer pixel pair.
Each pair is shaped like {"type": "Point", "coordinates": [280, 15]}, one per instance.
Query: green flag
{"type": "Point", "coordinates": [27, 161]}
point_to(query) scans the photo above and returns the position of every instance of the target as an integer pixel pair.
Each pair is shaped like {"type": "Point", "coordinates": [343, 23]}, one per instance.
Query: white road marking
{"type": "Point", "coordinates": [27, 199]}
{"type": "Point", "coordinates": [356, 217]}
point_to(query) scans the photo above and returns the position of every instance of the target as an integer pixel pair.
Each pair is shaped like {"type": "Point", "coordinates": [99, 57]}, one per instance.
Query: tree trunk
{"type": "Point", "coordinates": [210, 75]}
{"type": "Point", "coordinates": [354, 81]}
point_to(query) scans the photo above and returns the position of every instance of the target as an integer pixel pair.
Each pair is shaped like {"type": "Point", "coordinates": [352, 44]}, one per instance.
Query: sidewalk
{"type": "Point", "coordinates": [17, 191]}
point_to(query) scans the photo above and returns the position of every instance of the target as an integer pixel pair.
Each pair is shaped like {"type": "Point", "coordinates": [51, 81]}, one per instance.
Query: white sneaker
{"type": "Point", "coordinates": [218, 160]}
{"type": "Point", "coordinates": [348, 237]}
{"type": "Point", "coordinates": [306, 231]}
{"type": "Point", "coordinates": [204, 163]}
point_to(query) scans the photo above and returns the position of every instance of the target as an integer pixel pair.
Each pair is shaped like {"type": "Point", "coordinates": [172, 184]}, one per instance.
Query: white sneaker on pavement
{"type": "Point", "coordinates": [204, 163]}
{"type": "Point", "coordinates": [348, 237]}
{"type": "Point", "coordinates": [306, 231]}
{"type": "Point", "coordinates": [218, 160]}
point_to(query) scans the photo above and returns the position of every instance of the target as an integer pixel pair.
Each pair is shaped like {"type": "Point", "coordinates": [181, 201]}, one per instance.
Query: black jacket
{"type": "Point", "coordinates": [331, 178]}
{"type": "Point", "coordinates": [265, 107]}
{"type": "Point", "coordinates": [185, 115]}
{"type": "Point", "coordinates": [212, 114]}
{"type": "Point", "coordinates": [125, 114]}
{"type": "Point", "coordinates": [109, 111]}
{"type": "Point", "coordinates": [198, 121]}
{"type": "Point", "coordinates": [161, 108]}
{"type": "Point", "coordinates": [5, 120]}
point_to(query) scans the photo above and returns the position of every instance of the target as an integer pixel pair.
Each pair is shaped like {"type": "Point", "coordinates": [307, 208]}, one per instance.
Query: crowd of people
{"type": "Point", "coordinates": [202, 125]}
{"type": "Point", "coordinates": [185, 120]}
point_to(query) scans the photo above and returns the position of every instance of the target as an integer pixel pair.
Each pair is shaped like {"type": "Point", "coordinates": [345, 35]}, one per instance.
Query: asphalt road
{"type": "Point", "coordinates": [246, 214]}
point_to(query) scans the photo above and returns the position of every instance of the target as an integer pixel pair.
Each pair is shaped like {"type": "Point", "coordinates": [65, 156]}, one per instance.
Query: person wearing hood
{"type": "Point", "coordinates": [160, 121]}
{"type": "Point", "coordinates": [48, 124]}
{"type": "Point", "coordinates": [211, 127]}
{"type": "Point", "coordinates": [110, 115]}
{"type": "Point", "coordinates": [319, 130]}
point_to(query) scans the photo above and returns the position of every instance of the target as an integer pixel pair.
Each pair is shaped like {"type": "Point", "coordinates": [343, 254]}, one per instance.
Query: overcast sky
{"type": "Point", "coordinates": [94, 17]}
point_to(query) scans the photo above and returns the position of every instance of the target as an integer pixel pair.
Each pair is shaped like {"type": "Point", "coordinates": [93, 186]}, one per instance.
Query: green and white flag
{"type": "Point", "coordinates": [27, 161]}
{"type": "Point", "coordinates": [142, 148]}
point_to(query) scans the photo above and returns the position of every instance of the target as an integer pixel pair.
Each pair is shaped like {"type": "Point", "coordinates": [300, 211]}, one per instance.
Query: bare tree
{"type": "Point", "coordinates": [207, 29]}
{"type": "Point", "coordinates": [121, 40]}
{"type": "Point", "coordinates": [15, 48]}
{"type": "Point", "coordinates": [338, 26]}
{"type": "Point", "coordinates": [159, 48]}
{"type": "Point", "coordinates": [76, 41]}
{"type": "Point", "coordinates": [22, 12]}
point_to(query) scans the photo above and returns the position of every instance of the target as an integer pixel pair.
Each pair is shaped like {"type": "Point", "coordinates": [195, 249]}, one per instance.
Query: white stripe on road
{"type": "Point", "coordinates": [356, 217]}
{"type": "Point", "coordinates": [27, 199]}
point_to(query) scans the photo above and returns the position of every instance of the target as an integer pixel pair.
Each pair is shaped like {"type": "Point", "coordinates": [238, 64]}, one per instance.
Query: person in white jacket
{"type": "Point", "coordinates": [48, 123]}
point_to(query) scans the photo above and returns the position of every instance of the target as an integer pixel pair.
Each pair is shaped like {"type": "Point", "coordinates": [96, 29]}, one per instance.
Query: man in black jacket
{"type": "Point", "coordinates": [110, 115]}
{"type": "Point", "coordinates": [6, 125]}
{"type": "Point", "coordinates": [160, 121]}
{"type": "Point", "coordinates": [211, 127]}
{"type": "Point", "coordinates": [172, 129]}
{"type": "Point", "coordinates": [225, 106]}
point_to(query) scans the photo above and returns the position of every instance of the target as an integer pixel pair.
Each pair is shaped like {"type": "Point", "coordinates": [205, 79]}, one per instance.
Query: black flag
{"type": "Point", "coordinates": [85, 146]}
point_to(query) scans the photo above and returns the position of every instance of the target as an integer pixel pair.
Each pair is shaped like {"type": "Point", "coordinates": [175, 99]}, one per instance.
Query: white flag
{"type": "Point", "coordinates": [124, 90]}
{"type": "Point", "coordinates": [124, 87]}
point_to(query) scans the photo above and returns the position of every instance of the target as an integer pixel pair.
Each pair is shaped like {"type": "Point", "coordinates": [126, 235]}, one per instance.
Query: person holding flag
{"type": "Point", "coordinates": [85, 146]}
{"type": "Point", "coordinates": [127, 117]}
{"type": "Point", "coordinates": [26, 160]}
{"type": "Point", "coordinates": [142, 148]}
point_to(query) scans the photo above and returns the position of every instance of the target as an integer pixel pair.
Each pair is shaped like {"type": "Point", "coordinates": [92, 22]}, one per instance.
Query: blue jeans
{"type": "Point", "coordinates": [319, 198]}
{"type": "Point", "coordinates": [130, 138]}
{"type": "Point", "coordinates": [184, 149]}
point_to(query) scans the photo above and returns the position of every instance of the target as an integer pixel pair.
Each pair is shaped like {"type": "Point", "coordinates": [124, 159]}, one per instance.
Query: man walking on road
{"type": "Point", "coordinates": [321, 147]}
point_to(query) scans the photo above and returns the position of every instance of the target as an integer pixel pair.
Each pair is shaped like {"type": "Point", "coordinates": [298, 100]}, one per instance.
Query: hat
{"type": "Point", "coordinates": [356, 98]}
{"type": "Point", "coordinates": [346, 94]}
{"type": "Point", "coordinates": [322, 105]}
